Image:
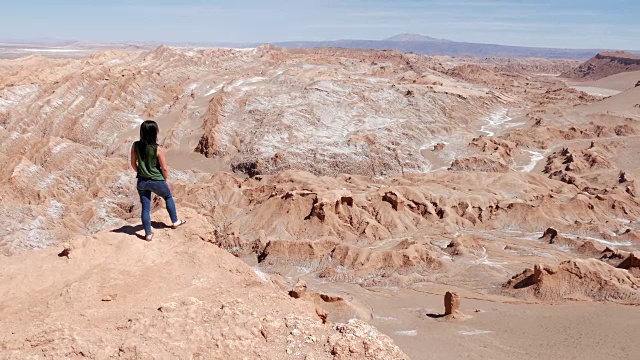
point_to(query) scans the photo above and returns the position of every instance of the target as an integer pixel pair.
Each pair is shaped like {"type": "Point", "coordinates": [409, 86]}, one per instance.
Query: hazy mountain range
{"type": "Point", "coordinates": [427, 45]}
{"type": "Point", "coordinates": [415, 43]}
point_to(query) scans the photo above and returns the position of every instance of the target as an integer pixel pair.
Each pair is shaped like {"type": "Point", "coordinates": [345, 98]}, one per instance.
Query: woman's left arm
{"type": "Point", "coordinates": [134, 160]}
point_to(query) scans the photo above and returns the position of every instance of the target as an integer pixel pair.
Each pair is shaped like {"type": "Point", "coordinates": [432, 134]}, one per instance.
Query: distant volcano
{"type": "Point", "coordinates": [415, 37]}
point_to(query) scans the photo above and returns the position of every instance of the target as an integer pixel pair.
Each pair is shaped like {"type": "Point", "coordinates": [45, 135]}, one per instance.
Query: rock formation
{"type": "Point", "coordinates": [66, 250]}
{"type": "Point", "coordinates": [631, 263]}
{"type": "Point", "coordinates": [299, 290]}
{"type": "Point", "coordinates": [451, 303]}
{"type": "Point", "coordinates": [605, 64]}
{"type": "Point", "coordinates": [576, 279]}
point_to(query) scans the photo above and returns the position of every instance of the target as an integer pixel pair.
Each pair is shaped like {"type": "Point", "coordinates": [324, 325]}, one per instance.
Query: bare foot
{"type": "Point", "coordinates": [178, 223]}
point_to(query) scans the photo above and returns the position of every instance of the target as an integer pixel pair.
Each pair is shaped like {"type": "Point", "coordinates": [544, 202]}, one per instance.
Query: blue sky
{"type": "Point", "coordinates": [553, 23]}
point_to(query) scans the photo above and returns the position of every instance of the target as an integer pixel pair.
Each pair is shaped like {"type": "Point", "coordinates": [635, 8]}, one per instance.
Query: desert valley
{"type": "Point", "coordinates": [333, 197]}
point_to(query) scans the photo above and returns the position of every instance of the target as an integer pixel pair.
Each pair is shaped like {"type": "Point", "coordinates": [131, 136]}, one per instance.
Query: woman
{"type": "Point", "coordinates": [148, 160]}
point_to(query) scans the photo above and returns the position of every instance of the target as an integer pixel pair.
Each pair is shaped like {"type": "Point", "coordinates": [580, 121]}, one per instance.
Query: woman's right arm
{"type": "Point", "coordinates": [134, 160]}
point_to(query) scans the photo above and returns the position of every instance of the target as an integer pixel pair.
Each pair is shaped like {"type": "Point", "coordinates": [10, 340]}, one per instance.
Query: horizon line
{"type": "Point", "coordinates": [214, 43]}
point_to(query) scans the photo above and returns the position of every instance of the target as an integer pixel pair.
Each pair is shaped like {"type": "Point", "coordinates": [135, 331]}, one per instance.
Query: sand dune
{"type": "Point", "coordinates": [626, 103]}
{"type": "Point", "coordinates": [620, 82]}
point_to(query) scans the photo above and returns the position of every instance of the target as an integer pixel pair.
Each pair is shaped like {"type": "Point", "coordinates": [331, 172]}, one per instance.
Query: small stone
{"type": "Point", "coordinates": [67, 248]}
{"type": "Point", "coordinates": [330, 298]}
{"type": "Point", "coordinates": [111, 297]}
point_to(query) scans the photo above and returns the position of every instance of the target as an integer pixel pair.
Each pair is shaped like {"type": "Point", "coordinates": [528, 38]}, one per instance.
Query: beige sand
{"type": "Point", "coordinates": [115, 295]}
{"type": "Point", "coordinates": [620, 82]}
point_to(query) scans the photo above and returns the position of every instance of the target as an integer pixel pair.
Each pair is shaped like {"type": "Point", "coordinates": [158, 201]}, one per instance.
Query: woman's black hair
{"type": "Point", "coordinates": [148, 137]}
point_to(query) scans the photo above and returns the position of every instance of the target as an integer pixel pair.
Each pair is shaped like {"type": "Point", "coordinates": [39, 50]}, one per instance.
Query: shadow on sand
{"type": "Point", "coordinates": [435, 316]}
{"type": "Point", "coordinates": [133, 230]}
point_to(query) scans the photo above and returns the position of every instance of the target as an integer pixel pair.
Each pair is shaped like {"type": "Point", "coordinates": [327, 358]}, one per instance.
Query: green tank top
{"type": "Point", "coordinates": [149, 168]}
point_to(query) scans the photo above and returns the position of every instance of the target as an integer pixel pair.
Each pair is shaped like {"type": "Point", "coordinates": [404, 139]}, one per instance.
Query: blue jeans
{"type": "Point", "coordinates": [160, 188]}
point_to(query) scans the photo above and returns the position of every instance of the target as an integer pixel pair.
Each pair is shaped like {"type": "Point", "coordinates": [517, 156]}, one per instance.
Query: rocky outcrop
{"type": "Point", "coordinates": [355, 263]}
{"type": "Point", "coordinates": [358, 340]}
{"type": "Point", "coordinates": [464, 245]}
{"type": "Point", "coordinates": [451, 303]}
{"type": "Point", "coordinates": [538, 66]}
{"type": "Point", "coordinates": [299, 290]}
{"type": "Point", "coordinates": [438, 147]}
{"type": "Point", "coordinates": [167, 307]}
{"type": "Point", "coordinates": [631, 263]}
{"type": "Point", "coordinates": [481, 163]}
{"type": "Point", "coordinates": [209, 144]}
{"type": "Point", "coordinates": [576, 279]}
{"type": "Point", "coordinates": [578, 161]}
{"type": "Point", "coordinates": [605, 64]}
{"type": "Point", "coordinates": [549, 235]}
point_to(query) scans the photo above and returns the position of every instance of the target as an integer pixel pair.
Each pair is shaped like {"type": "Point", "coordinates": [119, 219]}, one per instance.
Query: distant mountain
{"type": "Point", "coordinates": [414, 43]}
{"type": "Point", "coordinates": [427, 45]}
{"type": "Point", "coordinates": [415, 37]}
